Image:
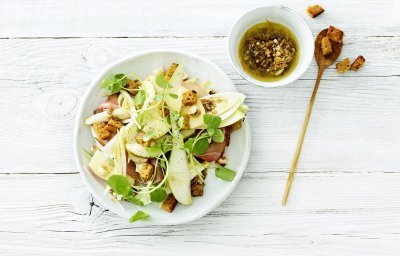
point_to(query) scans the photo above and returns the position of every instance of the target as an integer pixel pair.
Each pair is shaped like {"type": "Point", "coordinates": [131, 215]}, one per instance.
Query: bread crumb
{"type": "Point", "coordinates": [326, 46]}
{"type": "Point", "coordinates": [335, 34]}
{"type": "Point", "coordinates": [343, 66]}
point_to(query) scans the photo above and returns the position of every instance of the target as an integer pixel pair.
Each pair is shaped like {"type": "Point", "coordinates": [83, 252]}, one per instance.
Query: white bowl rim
{"type": "Point", "coordinates": [76, 148]}
{"type": "Point", "coordinates": [274, 83]}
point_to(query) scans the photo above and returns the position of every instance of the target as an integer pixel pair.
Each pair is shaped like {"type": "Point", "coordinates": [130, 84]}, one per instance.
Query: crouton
{"type": "Point", "coordinates": [145, 171]}
{"type": "Point", "coordinates": [169, 203]}
{"type": "Point", "coordinates": [315, 10]}
{"type": "Point", "coordinates": [358, 63]}
{"type": "Point", "coordinates": [101, 130]}
{"type": "Point", "coordinates": [236, 126]}
{"type": "Point", "coordinates": [343, 66]}
{"type": "Point", "coordinates": [196, 187]}
{"type": "Point", "coordinates": [139, 139]}
{"type": "Point", "coordinates": [222, 161]}
{"type": "Point", "coordinates": [170, 71]}
{"type": "Point", "coordinates": [189, 98]}
{"type": "Point", "coordinates": [132, 85]}
{"type": "Point", "coordinates": [335, 34]}
{"type": "Point", "coordinates": [326, 46]}
{"type": "Point", "coordinates": [186, 122]}
{"type": "Point", "coordinates": [114, 125]}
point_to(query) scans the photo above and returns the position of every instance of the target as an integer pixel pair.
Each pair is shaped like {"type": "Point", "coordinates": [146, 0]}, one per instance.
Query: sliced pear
{"type": "Point", "coordinates": [137, 149]}
{"type": "Point", "coordinates": [177, 76]}
{"type": "Point", "coordinates": [100, 166]}
{"type": "Point", "coordinates": [236, 116]}
{"type": "Point", "coordinates": [175, 104]}
{"type": "Point", "coordinates": [225, 102]}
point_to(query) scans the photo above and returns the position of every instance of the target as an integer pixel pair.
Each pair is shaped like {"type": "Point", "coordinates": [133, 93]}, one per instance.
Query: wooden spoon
{"type": "Point", "coordinates": [323, 62]}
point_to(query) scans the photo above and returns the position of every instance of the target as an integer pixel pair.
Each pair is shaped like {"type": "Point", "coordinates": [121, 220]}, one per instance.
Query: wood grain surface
{"type": "Point", "coordinates": [345, 198]}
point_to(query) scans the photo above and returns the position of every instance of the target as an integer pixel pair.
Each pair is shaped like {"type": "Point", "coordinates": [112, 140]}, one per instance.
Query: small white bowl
{"type": "Point", "coordinates": [216, 190]}
{"type": "Point", "coordinates": [284, 16]}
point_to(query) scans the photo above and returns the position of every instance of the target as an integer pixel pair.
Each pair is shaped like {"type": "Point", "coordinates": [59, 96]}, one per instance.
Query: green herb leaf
{"type": "Point", "coordinates": [189, 144]}
{"type": "Point", "coordinates": [139, 118]}
{"type": "Point", "coordinates": [173, 95]}
{"type": "Point", "coordinates": [140, 97]}
{"type": "Point", "coordinates": [210, 131]}
{"type": "Point", "coordinates": [160, 81]}
{"type": "Point", "coordinates": [154, 150]}
{"type": "Point", "coordinates": [224, 173]}
{"type": "Point", "coordinates": [200, 146]}
{"type": "Point", "coordinates": [158, 195]}
{"type": "Point", "coordinates": [114, 83]}
{"type": "Point", "coordinates": [212, 121]}
{"type": "Point", "coordinates": [218, 136]}
{"type": "Point", "coordinates": [134, 201]}
{"type": "Point", "coordinates": [139, 215]}
{"type": "Point", "coordinates": [119, 184]}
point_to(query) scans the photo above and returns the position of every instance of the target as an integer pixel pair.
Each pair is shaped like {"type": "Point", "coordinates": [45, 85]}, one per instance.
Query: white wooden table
{"type": "Point", "coordinates": [345, 198]}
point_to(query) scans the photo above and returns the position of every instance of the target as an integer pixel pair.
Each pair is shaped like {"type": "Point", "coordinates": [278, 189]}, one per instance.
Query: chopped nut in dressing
{"type": "Point", "coordinates": [268, 51]}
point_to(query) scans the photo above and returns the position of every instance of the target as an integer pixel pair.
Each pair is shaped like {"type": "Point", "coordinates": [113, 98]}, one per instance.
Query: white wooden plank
{"type": "Point", "coordinates": [328, 213]}
{"type": "Point", "coordinates": [354, 126]}
{"type": "Point", "coordinates": [157, 18]}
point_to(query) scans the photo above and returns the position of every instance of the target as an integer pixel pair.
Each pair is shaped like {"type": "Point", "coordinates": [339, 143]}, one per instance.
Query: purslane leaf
{"type": "Point", "coordinates": [224, 173]}
{"type": "Point", "coordinates": [212, 121]}
{"type": "Point", "coordinates": [218, 135]}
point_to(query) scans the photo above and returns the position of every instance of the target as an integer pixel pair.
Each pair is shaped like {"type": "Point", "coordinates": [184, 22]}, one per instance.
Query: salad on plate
{"type": "Point", "coordinates": [155, 138]}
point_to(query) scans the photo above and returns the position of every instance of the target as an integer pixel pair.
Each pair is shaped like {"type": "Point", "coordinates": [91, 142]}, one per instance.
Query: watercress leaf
{"type": "Point", "coordinates": [158, 195]}
{"type": "Point", "coordinates": [140, 97]}
{"type": "Point", "coordinates": [119, 184]}
{"type": "Point", "coordinates": [210, 131]}
{"type": "Point", "coordinates": [154, 150]}
{"type": "Point", "coordinates": [218, 136]}
{"type": "Point", "coordinates": [139, 215]}
{"type": "Point", "coordinates": [134, 201]}
{"type": "Point", "coordinates": [212, 121]}
{"type": "Point", "coordinates": [106, 82]}
{"type": "Point", "coordinates": [160, 81]}
{"type": "Point", "coordinates": [200, 146]}
{"type": "Point", "coordinates": [189, 144]}
{"type": "Point", "coordinates": [224, 173]}
{"type": "Point", "coordinates": [173, 95]}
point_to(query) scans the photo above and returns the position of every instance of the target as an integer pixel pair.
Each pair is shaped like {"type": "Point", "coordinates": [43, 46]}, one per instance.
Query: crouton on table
{"type": "Point", "coordinates": [335, 34]}
{"type": "Point", "coordinates": [343, 66]}
{"type": "Point", "coordinates": [358, 63]}
{"type": "Point", "coordinates": [326, 46]}
{"type": "Point", "coordinates": [315, 10]}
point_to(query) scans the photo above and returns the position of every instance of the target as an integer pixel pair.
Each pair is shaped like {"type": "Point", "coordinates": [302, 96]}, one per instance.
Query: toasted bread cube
{"type": "Point", "coordinates": [186, 122]}
{"type": "Point", "coordinates": [139, 139]}
{"type": "Point", "coordinates": [326, 46]}
{"type": "Point", "coordinates": [101, 130]}
{"type": "Point", "coordinates": [236, 126]}
{"type": "Point", "coordinates": [170, 71]}
{"type": "Point", "coordinates": [335, 34]}
{"type": "Point", "coordinates": [358, 63]}
{"type": "Point", "coordinates": [169, 203]}
{"type": "Point", "coordinates": [315, 10]}
{"type": "Point", "coordinates": [114, 125]}
{"type": "Point", "coordinates": [189, 98]}
{"type": "Point", "coordinates": [222, 161]}
{"type": "Point", "coordinates": [343, 66]}
{"type": "Point", "coordinates": [145, 171]}
{"type": "Point", "coordinates": [197, 187]}
{"type": "Point", "coordinates": [132, 84]}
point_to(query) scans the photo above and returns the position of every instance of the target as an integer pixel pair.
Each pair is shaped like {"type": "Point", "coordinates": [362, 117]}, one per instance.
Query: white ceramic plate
{"type": "Point", "coordinates": [215, 191]}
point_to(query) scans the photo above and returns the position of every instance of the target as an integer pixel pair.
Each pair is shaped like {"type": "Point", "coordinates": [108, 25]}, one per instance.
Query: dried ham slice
{"type": "Point", "coordinates": [216, 149]}
{"type": "Point", "coordinates": [110, 104]}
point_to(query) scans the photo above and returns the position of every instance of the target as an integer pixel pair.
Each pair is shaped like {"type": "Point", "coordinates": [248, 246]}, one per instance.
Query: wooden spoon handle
{"type": "Point", "coordinates": [301, 138]}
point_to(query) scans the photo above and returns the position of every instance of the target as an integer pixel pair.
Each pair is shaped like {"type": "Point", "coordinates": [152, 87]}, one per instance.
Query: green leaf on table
{"type": "Point", "coordinates": [218, 135]}
{"type": "Point", "coordinates": [119, 184]}
{"type": "Point", "coordinates": [212, 121]}
{"type": "Point", "coordinates": [158, 195]}
{"type": "Point", "coordinates": [139, 215]}
{"type": "Point", "coordinates": [224, 173]}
